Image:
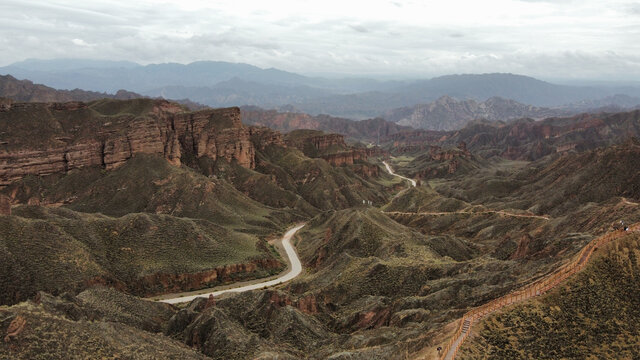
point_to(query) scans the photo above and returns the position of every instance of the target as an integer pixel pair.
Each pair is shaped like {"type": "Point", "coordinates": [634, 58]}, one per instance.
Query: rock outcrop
{"type": "Point", "coordinates": [438, 154]}
{"type": "Point", "coordinates": [346, 157]}
{"type": "Point", "coordinates": [68, 136]}
{"type": "Point", "coordinates": [5, 205]}
{"type": "Point", "coordinates": [371, 130]}
{"type": "Point", "coordinates": [263, 137]}
{"type": "Point", "coordinates": [324, 142]}
{"type": "Point", "coordinates": [167, 283]}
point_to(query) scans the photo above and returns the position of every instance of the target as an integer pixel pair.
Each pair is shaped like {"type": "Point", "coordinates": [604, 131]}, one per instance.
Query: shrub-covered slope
{"type": "Point", "coordinates": [593, 316]}
{"type": "Point", "coordinates": [59, 250]}
{"type": "Point", "coordinates": [97, 324]}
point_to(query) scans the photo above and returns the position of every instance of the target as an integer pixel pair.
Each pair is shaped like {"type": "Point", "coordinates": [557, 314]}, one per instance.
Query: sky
{"type": "Point", "coordinates": [562, 39]}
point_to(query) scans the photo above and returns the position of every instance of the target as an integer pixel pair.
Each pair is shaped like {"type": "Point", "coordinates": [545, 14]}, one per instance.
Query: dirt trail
{"type": "Point", "coordinates": [501, 212]}
{"type": "Point", "coordinates": [624, 200]}
{"type": "Point", "coordinates": [295, 270]}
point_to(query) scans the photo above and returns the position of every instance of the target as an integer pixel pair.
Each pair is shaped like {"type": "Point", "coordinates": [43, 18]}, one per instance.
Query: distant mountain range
{"type": "Point", "coordinates": [27, 91]}
{"type": "Point", "coordinates": [219, 84]}
{"type": "Point", "coordinates": [448, 113]}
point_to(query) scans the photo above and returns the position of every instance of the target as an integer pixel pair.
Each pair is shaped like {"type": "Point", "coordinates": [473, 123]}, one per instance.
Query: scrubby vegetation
{"type": "Point", "coordinates": [59, 250]}
{"type": "Point", "coordinates": [380, 280]}
{"type": "Point", "coordinates": [69, 327]}
{"type": "Point", "coordinates": [592, 316]}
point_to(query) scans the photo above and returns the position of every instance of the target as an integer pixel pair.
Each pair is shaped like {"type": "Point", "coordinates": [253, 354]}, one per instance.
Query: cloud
{"type": "Point", "coordinates": [80, 42]}
{"type": "Point", "coordinates": [359, 28]}
{"type": "Point", "coordinates": [589, 38]}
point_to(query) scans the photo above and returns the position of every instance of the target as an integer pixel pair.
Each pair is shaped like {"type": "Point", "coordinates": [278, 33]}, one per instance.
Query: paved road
{"type": "Point", "coordinates": [413, 182]}
{"type": "Point", "coordinates": [296, 269]}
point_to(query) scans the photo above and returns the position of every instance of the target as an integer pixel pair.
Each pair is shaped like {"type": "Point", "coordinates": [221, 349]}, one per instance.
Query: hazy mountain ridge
{"type": "Point", "coordinates": [27, 91]}
{"type": "Point", "coordinates": [219, 84]}
{"type": "Point", "coordinates": [448, 113]}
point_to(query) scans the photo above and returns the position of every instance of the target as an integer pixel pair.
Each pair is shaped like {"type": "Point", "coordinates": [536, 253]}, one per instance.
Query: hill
{"type": "Point", "coordinates": [97, 323]}
{"type": "Point", "coordinates": [524, 139]}
{"type": "Point", "coordinates": [27, 91]}
{"type": "Point", "coordinates": [165, 229]}
{"type": "Point", "coordinates": [370, 130]}
{"type": "Point", "coordinates": [447, 113]}
{"type": "Point", "coordinates": [587, 317]}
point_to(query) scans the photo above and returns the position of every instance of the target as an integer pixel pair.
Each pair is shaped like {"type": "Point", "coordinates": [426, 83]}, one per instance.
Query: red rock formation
{"type": "Point", "coordinates": [323, 142]}
{"type": "Point", "coordinates": [165, 130]}
{"type": "Point", "coordinates": [15, 328]}
{"type": "Point", "coordinates": [373, 319]}
{"type": "Point", "coordinates": [307, 304]}
{"type": "Point", "coordinates": [367, 170]}
{"type": "Point", "coordinates": [5, 205]}
{"type": "Point", "coordinates": [346, 157]}
{"type": "Point", "coordinates": [437, 154]}
{"type": "Point", "coordinates": [263, 137]}
{"type": "Point", "coordinates": [566, 147]}
{"type": "Point", "coordinates": [523, 247]}
{"type": "Point", "coordinates": [409, 141]}
{"type": "Point", "coordinates": [160, 283]}
{"type": "Point", "coordinates": [453, 166]}
{"type": "Point", "coordinates": [211, 302]}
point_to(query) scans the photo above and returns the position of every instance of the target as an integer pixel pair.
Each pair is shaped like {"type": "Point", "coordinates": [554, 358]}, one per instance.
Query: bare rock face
{"type": "Point", "coordinates": [263, 137]}
{"type": "Point", "coordinates": [58, 137]}
{"type": "Point", "coordinates": [438, 154]}
{"type": "Point", "coordinates": [323, 142]}
{"type": "Point", "coordinates": [160, 283]}
{"type": "Point", "coordinates": [5, 205]}
{"type": "Point", "coordinates": [345, 158]}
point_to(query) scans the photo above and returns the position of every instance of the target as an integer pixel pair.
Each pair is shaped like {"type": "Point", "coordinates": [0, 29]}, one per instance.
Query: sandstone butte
{"type": "Point", "coordinates": [47, 138]}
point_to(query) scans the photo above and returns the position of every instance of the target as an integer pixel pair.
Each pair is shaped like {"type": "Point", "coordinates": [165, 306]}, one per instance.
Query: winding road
{"type": "Point", "coordinates": [295, 270]}
{"type": "Point", "coordinates": [413, 182]}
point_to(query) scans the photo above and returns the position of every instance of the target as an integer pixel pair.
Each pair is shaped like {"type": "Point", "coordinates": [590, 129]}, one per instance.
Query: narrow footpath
{"type": "Point", "coordinates": [294, 270]}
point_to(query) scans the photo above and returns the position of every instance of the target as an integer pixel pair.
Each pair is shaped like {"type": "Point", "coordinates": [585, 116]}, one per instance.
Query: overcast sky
{"type": "Point", "coordinates": [583, 39]}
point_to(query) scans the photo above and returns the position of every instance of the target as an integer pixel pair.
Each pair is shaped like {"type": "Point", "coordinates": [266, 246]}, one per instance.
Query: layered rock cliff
{"type": "Point", "coordinates": [371, 130]}
{"type": "Point", "coordinates": [41, 139]}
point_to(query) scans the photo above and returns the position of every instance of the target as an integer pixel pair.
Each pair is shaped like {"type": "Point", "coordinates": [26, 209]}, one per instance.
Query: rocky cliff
{"type": "Point", "coordinates": [313, 142]}
{"type": "Point", "coordinates": [5, 205]}
{"type": "Point", "coordinates": [371, 130]}
{"type": "Point", "coordinates": [526, 139]}
{"type": "Point", "coordinates": [330, 147]}
{"type": "Point", "coordinates": [41, 139]}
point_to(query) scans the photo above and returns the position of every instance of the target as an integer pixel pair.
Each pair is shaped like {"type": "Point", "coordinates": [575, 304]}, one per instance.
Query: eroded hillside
{"type": "Point", "coordinates": [192, 199]}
